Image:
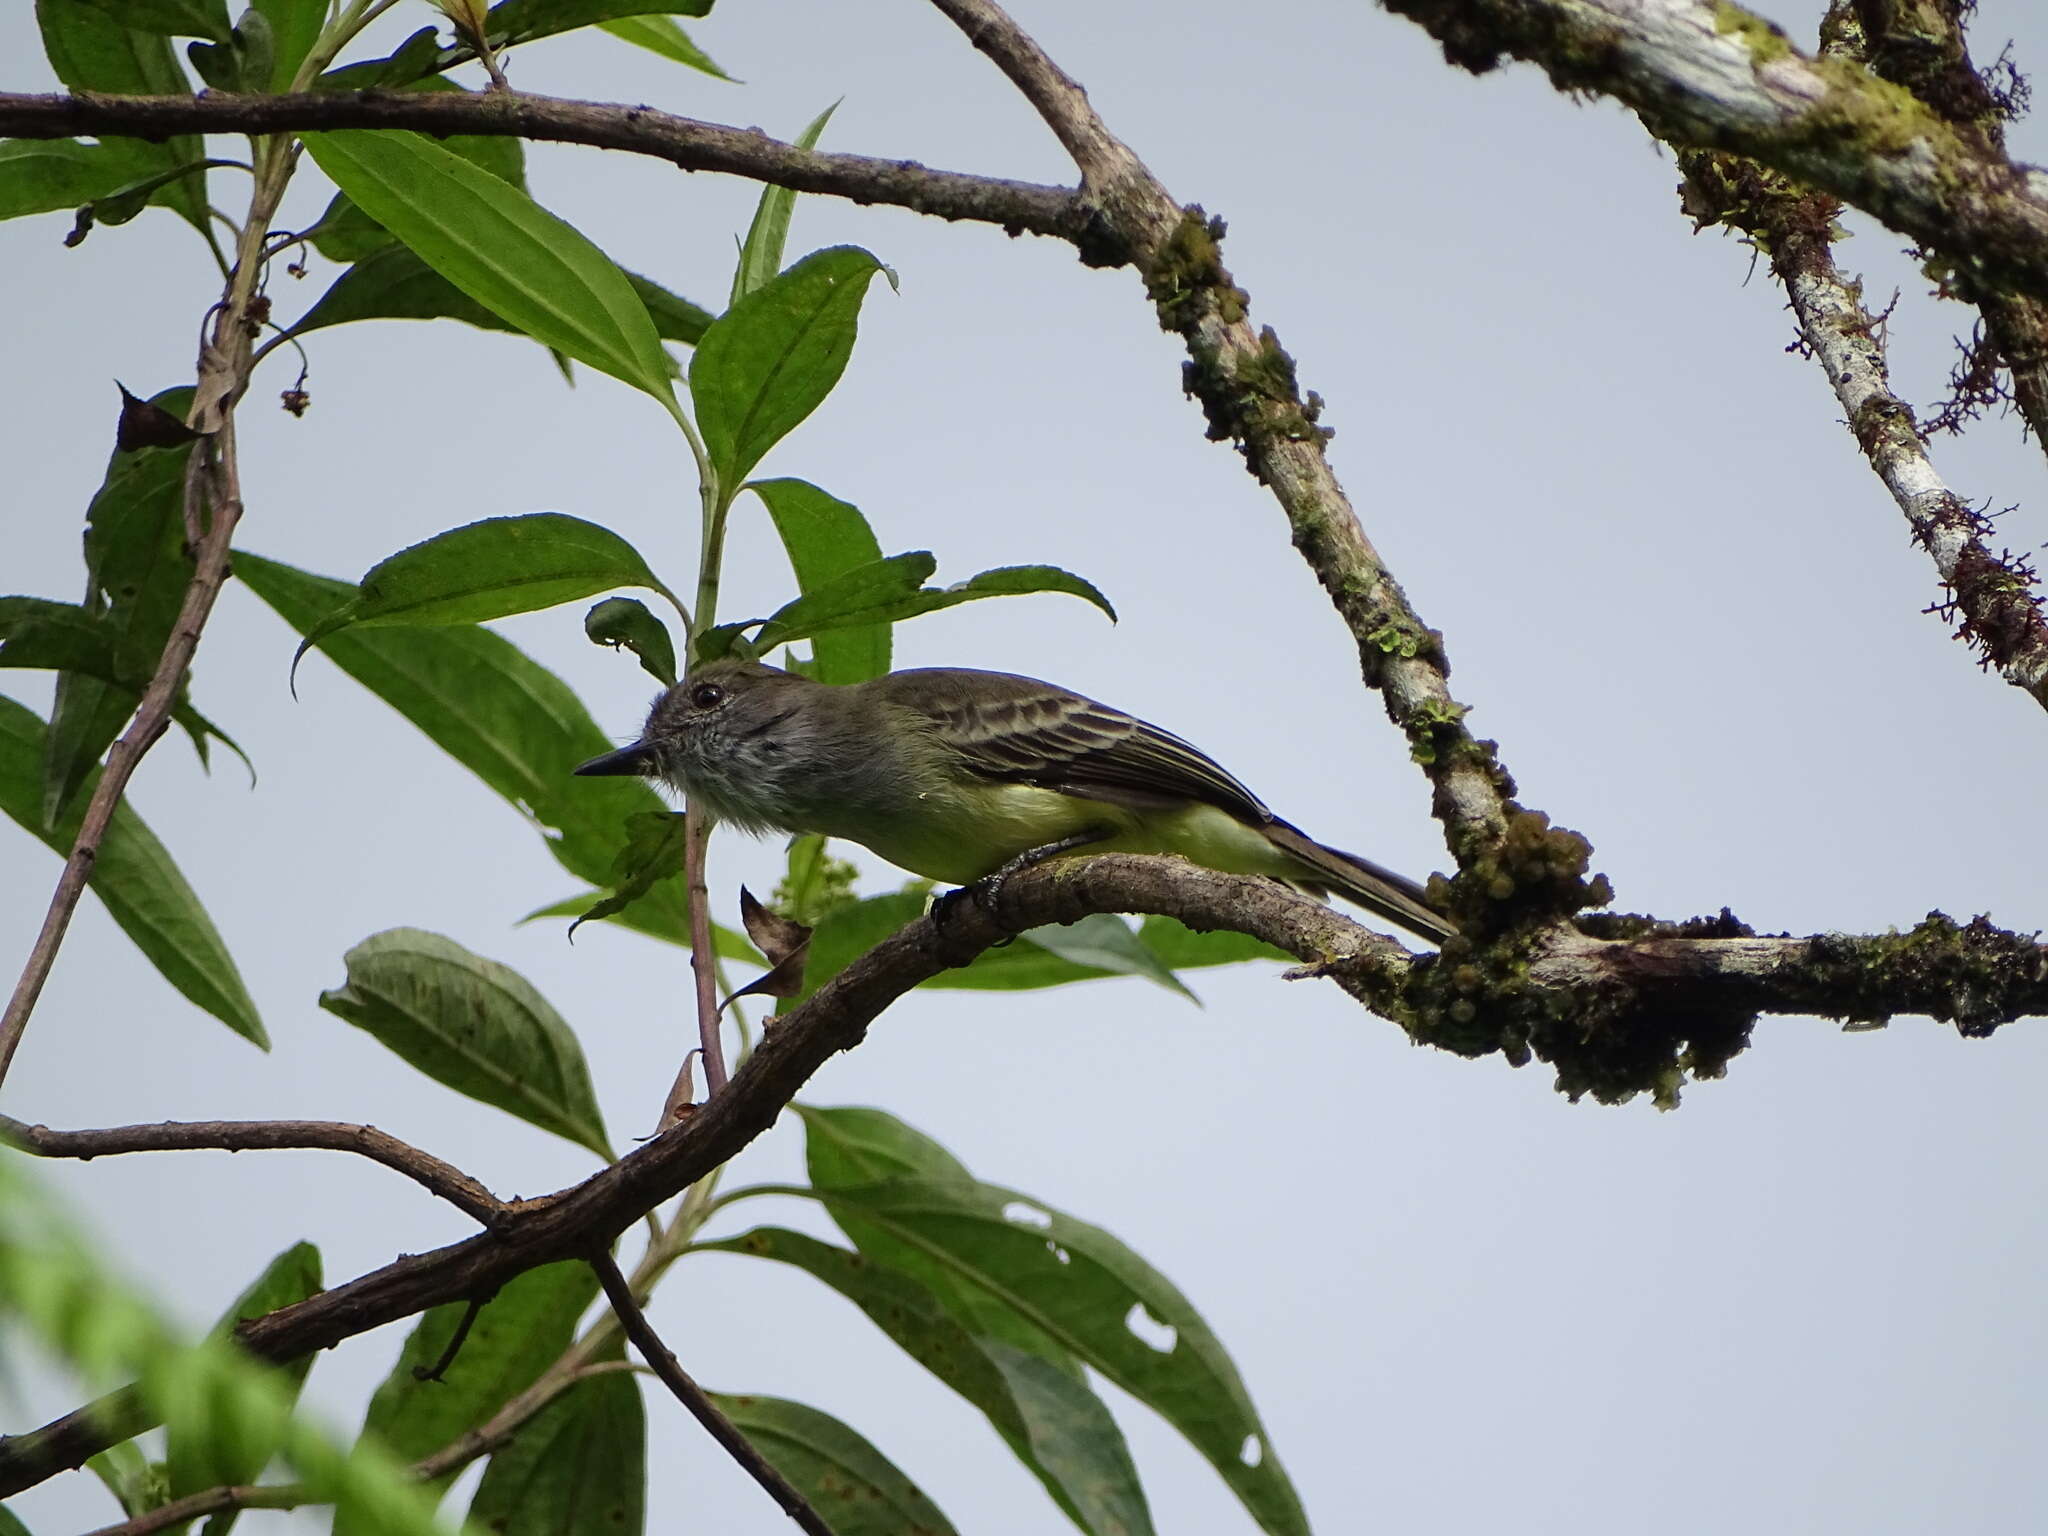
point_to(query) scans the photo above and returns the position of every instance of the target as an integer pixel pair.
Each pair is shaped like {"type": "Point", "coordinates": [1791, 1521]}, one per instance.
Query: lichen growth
{"type": "Point", "coordinates": [1766, 40]}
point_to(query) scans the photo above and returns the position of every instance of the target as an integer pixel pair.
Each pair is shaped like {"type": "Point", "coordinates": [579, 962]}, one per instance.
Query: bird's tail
{"type": "Point", "coordinates": [1380, 891]}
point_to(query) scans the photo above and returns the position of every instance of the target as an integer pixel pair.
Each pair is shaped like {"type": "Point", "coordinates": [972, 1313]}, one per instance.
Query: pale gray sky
{"type": "Point", "coordinates": [1670, 587]}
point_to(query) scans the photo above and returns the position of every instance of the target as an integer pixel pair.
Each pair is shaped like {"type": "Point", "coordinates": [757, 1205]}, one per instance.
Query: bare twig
{"type": "Point", "coordinates": [456, 1340]}
{"type": "Point", "coordinates": [210, 1501]}
{"type": "Point", "coordinates": [223, 370]}
{"type": "Point", "coordinates": [1017, 206]}
{"type": "Point", "coordinates": [694, 1398]}
{"type": "Point", "coordinates": [703, 969]}
{"type": "Point", "coordinates": [423, 1168]}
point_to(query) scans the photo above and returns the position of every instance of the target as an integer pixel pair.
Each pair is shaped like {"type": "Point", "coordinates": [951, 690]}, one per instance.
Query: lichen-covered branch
{"type": "Point", "coordinates": [1919, 44]}
{"type": "Point", "coordinates": [1630, 1006]}
{"type": "Point", "coordinates": [1712, 75]}
{"type": "Point", "coordinates": [1017, 206]}
{"type": "Point", "coordinates": [1992, 596]}
{"type": "Point", "coordinates": [1246, 384]}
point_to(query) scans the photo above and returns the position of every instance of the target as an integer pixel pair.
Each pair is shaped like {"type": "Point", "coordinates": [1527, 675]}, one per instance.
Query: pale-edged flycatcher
{"type": "Point", "coordinates": [957, 775]}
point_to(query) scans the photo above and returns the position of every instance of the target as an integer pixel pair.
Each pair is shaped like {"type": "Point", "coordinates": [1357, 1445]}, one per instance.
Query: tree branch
{"type": "Point", "coordinates": [698, 1401]}
{"type": "Point", "coordinates": [1246, 384]}
{"type": "Point", "coordinates": [1992, 597]}
{"type": "Point", "coordinates": [1016, 206]}
{"type": "Point", "coordinates": [223, 371]}
{"type": "Point", "coordinates": [1919, 44]}
{"type": "Point", "coordinates": [1630, 1006]}
{"type": "Point", "coordinates": [1710, 74]}
{"type": "Point", "coordinates": [423, 1168]}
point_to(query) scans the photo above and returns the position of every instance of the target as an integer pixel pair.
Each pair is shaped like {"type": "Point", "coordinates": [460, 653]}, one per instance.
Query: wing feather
{"type": "Point", "coordinates": [1023, 731]}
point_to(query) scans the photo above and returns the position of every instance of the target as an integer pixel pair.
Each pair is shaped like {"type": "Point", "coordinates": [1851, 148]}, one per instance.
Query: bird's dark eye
{"type": "Point", "coordinates": [705, 695]}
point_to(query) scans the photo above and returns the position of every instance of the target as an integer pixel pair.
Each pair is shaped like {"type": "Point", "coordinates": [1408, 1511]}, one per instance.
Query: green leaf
{"type": "Point", "coordinates": [137, 570]}
{"type": "Point", "coordinates": [170, 18]}
{"type": "Point", "coordinates": [578, 1467]}
{"type": "Point", "coordinates": [726, 943]}
{"type": "Point", "coordinates": [851, 1148]}
{"type": "Point", "coordinates": [1053, 1423]}
{"type": "Point", "coordinates": [654, 852]}
{"type": "Point", "coordinates": [675, 317]}
{"type": "Point", "coordinates": [1181, 947]}
{"type": "Point", "coordinates": [91, 51]}
{"type": "Point", "coordinates": [36, 632]}
{"type": "Point", "coordinates": [518, 1334]}
{"type": "Point", "coordinates": [294, 28]}
{"type": "Point", "coordinates": [389, 282]}
{"type": "Point", "coordinates": [501, 248]}
{"type": "Point", "coordinates": [136, 1482]}
{"type": "Point", "coordinates": [825, 538]}
{"type": "Point", "coordinates": [346, 233]}
{"type": "Point", "coordinates": [659, 34]}
{"type": "Point", "coordinates": [862, 595]}
{"type": "Point", "coordinates": [59, 1293]}
{"type": "Point", "coordinates": [488, 570]}
{"type": "Point", "coordinates": [134, 877]}
{"type": "Point", "coordinates": [195, 1462]}
{"type": "Point", "coordinates": [413, 60]}
{"type": "Point", "coordinates": [761, 254]}
{"type": "Point", "coordinates": [885, 591]}
{"type": "Point", "coordinates": [499, 713]}
{"type": "Point", "coordinates": [522, 21]}
{"type": "Point", "coordinates": [856, 1490]}
{"type": "Point", "coordinates": [853, 928]}
{"type": "Point", "coordinates": [474, 1025]}
{"type": "Point", "coordinates": [10, 1524]}
{"type": "Point", "coordinates": [625, 623]}
{"type": "Point", "coordinates": [1099, 1301]}
{"type": "Point", "coordinates": [39, 176]}
{"type": "Point", "coordinates": [767, 363]}
{"type": "Point", "coordinates": [1107, 942]}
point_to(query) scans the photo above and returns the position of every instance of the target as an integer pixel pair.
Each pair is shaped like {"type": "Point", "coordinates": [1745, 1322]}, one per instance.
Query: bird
{"type": "Point", "coordinates": [962, 776]}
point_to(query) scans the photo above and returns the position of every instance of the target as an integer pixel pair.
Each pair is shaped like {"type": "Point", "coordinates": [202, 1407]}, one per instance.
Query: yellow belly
{"type": "Point", "coordinates": [961, 835]}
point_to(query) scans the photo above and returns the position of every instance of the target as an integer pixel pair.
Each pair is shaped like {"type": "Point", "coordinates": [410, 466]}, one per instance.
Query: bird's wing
{"type": "Point", "coordinates": [1028, 732]}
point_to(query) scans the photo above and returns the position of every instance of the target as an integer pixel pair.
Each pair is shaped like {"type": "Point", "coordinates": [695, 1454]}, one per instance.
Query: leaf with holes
{"type": "Point", "coordinates": [1053, 1423]}
{"type": "Point", "coordinates": [1076, 1286]}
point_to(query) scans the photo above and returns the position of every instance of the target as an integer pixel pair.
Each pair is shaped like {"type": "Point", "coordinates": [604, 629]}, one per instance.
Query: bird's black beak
{"type": "Point", "coordinates": [637, 759]}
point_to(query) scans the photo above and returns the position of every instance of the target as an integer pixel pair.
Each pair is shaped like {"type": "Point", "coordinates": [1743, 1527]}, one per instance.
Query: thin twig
{"type": "Point", "coordinates": [694, 1398]}
{"type": "Point", "coordinates": [210, 1501]}
{"type": "Point", "coordinates": [423, 1168]}
{"type": "Point", "coordinates": [703, 968]}
{"type": "Point", "coordinates": [223, 370]}
{"type": "Point", "coordinates": [456, 1340]}
{"type": "Point", "coordinates": [1017, 206]}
